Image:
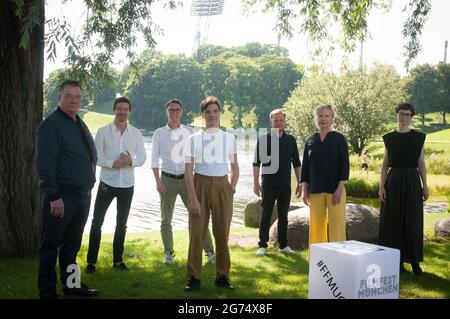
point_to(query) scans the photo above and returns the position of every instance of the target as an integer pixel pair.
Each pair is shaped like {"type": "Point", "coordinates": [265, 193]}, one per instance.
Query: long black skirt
{"type": "Point", "coordinates": [401, 215]}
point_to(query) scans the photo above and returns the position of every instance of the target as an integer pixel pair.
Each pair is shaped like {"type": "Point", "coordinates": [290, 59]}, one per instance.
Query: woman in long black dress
{"type": "Point", "coordinates": [403, 188]}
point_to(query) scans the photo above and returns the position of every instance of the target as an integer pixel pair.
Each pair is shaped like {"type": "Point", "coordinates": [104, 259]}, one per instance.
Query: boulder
{"type": "Point", "coordinates": [297, 231]}
{"type": "Point", "coordinates": [361, 225]}
{"type": "Point", "coordinates": [442, 228]}
{"type": "Point", "coordinates": [253, 209]}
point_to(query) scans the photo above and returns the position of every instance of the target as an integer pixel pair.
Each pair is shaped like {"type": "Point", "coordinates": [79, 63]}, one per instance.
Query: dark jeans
{"type": "Point", "coordinates": [61, 237]}
{"type": "Point", "coordinates": [283, 197]}
{"type": "Point", "coordinates": [105, 195]}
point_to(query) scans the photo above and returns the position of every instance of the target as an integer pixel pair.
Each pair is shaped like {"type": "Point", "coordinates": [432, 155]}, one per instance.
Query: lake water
{"type": "Point", "coordinates": [145, 213]}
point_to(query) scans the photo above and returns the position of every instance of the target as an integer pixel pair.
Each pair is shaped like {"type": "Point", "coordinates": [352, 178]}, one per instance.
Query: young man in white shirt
{"type": "Point", "coordinates": [120, 148]}
{"type": "Point", "coordinates": [167, 153]}
{"type": "Point", "coordinates": [208, 154]}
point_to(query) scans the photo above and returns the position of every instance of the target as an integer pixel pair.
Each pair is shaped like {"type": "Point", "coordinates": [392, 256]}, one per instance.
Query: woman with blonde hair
{"type": "Point", "coordinates": [325, 170]}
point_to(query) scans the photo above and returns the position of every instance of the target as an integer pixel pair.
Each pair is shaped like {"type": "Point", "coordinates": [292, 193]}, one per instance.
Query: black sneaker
{"type": "Point", "coordinates": [223, 282]}
{"type": "Point", "coordinates": [121, 266]}
{"type": "Point", "coordinates": [83, 291]}
{"type": "Point", "coordinates": [193, 284]}
{"type": "Point", "coordinates": [416, 269]}
{"type": "Point", "coordinates": [90, 268]}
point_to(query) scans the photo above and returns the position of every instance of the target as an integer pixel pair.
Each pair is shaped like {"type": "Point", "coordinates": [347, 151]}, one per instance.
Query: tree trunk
{"type": "Point", "coordinates": [21, 100]}
{"type": "Point", "coordinates": [443, 117]}
{"type": "Point", "coordinates": [356, 146]}
{"type": "Point", "coordinates": [422, 116]}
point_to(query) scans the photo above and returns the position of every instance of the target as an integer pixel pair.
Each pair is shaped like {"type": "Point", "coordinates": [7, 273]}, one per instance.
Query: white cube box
{"type": "Point", "coordinates": [353, 270]}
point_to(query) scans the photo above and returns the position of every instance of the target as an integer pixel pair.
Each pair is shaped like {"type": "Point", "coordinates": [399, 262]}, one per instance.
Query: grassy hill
{"type": "Point", "coordinates": [95, 120]}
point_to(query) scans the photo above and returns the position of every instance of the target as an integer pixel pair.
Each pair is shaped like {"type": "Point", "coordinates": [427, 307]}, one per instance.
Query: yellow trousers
{"type": "Point", "coordinates": [322, 214]}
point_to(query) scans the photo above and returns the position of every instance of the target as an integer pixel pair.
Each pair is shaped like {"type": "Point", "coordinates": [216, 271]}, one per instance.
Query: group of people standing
{"type": "Point", "coordinates": [203, 169]}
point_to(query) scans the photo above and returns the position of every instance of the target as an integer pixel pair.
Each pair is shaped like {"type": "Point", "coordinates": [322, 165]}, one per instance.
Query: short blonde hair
{"type": "Point", "coordinates": [277, 111]}
{"type": "Point", "coordinates": [320, 108]}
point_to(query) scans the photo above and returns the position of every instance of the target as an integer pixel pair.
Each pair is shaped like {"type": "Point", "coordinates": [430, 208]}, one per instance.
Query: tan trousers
{"type": "Point", "coordinates": [215, 195]}
{"type": "Point", "coordinates": [322, 214]}
{"type": "Point", "coordinates": [174, 188]}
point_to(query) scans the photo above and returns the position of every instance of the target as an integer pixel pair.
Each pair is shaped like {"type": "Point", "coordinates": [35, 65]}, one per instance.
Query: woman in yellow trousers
{"type": "Point", "coordinates": [325, 170]}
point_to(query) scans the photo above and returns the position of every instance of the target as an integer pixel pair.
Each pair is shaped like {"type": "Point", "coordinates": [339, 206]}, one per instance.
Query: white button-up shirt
{"type": "Point", "coordinates": [110, 143]}
{"type": "Point", "coordinates": [168, 148]}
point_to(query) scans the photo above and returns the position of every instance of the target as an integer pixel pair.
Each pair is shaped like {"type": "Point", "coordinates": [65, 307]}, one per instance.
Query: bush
{"type": "Point", "coordinates": [358, 186]}
{"type": "Point", "coordinates": [439, 165]}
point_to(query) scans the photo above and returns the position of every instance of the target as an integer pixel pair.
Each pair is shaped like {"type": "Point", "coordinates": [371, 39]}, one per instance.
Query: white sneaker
{"type": "Point", "coordinates": [211, 257]}
{"type": "Point", "coordinates": [286, 250]}
{"type": "Point", "coordinates": [261, 251]}
{"type": "Point", "coordinates": [168, 257]}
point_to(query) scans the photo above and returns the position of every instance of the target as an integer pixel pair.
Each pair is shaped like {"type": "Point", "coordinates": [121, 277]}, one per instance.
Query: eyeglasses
{"type": "Point", "coordinates": [404, 114]}
{"type": "Point", "coordinates": [174, 110]}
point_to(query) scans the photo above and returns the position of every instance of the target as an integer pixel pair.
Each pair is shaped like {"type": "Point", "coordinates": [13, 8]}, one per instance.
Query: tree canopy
{"type": "Point", "coordinates": [315, 18]}
{"type": "Point", "coordinates": [364, 101]}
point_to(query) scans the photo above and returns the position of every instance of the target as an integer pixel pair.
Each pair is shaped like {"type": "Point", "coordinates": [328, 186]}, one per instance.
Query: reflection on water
{"type": "Point", "coordinates": [145, 213]}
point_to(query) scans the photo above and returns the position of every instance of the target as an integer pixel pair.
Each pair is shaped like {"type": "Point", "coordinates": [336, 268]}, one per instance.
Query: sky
{"type": "Point", "coordinates": [233, 28]}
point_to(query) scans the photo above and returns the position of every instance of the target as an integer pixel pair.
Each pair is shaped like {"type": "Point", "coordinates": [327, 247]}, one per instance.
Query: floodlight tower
{"type": "Point", "coordinates": [203, 10]}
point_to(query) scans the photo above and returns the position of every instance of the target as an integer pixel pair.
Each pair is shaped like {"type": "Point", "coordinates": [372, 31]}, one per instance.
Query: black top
{"type": "Point", "coordinates": [276, 172]}
{"type": "Point", "coordinates": [404, 148]}
{"type": "Point", "coordinates": [325, 163]}
{"type": "Point", "coordinates": [66, 155]}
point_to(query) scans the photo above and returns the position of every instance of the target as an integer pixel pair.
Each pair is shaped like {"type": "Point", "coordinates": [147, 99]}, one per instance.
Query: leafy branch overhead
{"type": "Point", "coordinates": [110, 26]}
{"type": "Point", "coordinates": [314, 17]}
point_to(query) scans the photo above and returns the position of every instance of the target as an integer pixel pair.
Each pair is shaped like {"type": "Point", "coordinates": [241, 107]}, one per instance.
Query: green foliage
{"type": "Point", "coordinates": [166, 77]}
{"type": "Point", "coordinates": [438, 164]}
{"type": "Point", "coordinates": [251, 50]}
{"type": "Point", "coordinates": [256, 49]}
{"type": "Point", "coordinates": [363, 100]}
{"type": "Point", "coordinates": [422, 89]}
{"type": "Point", "coordinates": [359, 186]}
{"type": "Point", "coordinates": [315, 18]}
{"type": "Point", "coordinates": [51, 93]}
{"type": "Point", "coordinates": [413, 26]}
{"type": "Point", "coordinates": [216, 71]}
{"type": "Point", "coordinates": [208, 51]}
{"type": "Point", "coordinates": [277, 78]}
{"type": "Point", "coordinates": [443, 70]}
{"type": "Point", "coordinates": [241, 87]}
{"type": "Point", "coordinates": [250, 87]}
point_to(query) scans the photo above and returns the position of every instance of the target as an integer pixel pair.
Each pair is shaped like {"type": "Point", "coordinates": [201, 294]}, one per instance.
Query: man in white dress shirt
{"type": "Point", "coordinates": [167, 154]}
{"type": "Point", "coordinates": [120, 148]}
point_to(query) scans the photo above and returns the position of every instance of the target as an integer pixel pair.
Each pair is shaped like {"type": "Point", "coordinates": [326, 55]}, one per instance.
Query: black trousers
{"type": "Point", "coordinates": [105, 195]}
{"type": "Point", "coordinates": [61, 238]}
{"type": "Point", "coordinates": [282, 195]}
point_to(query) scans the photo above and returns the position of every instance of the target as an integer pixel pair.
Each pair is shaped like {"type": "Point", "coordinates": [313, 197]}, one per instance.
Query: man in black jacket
{"type": "Point", "coordinates": [276, 152]}
{"type": "Point", "coordinates": [66, 160]}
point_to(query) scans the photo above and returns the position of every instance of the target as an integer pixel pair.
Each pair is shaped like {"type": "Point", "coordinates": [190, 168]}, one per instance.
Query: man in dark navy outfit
{"type": "Point", "coordinates": [66, 160]}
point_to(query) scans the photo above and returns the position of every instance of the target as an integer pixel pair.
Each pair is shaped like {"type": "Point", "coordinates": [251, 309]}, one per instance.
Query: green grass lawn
{"type": "Point", "coordinates": [274, 276]}
{"type": "Point", "coordinates": [96, 120]}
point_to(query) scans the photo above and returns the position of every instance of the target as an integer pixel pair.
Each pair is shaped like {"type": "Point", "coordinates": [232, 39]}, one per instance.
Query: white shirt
{"type": "Point", "coordinates": [110, 143]}
{"type": "Point", "coordinates": [167, 148]}
{"type": "Point", "coordinates": [211, 152]}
